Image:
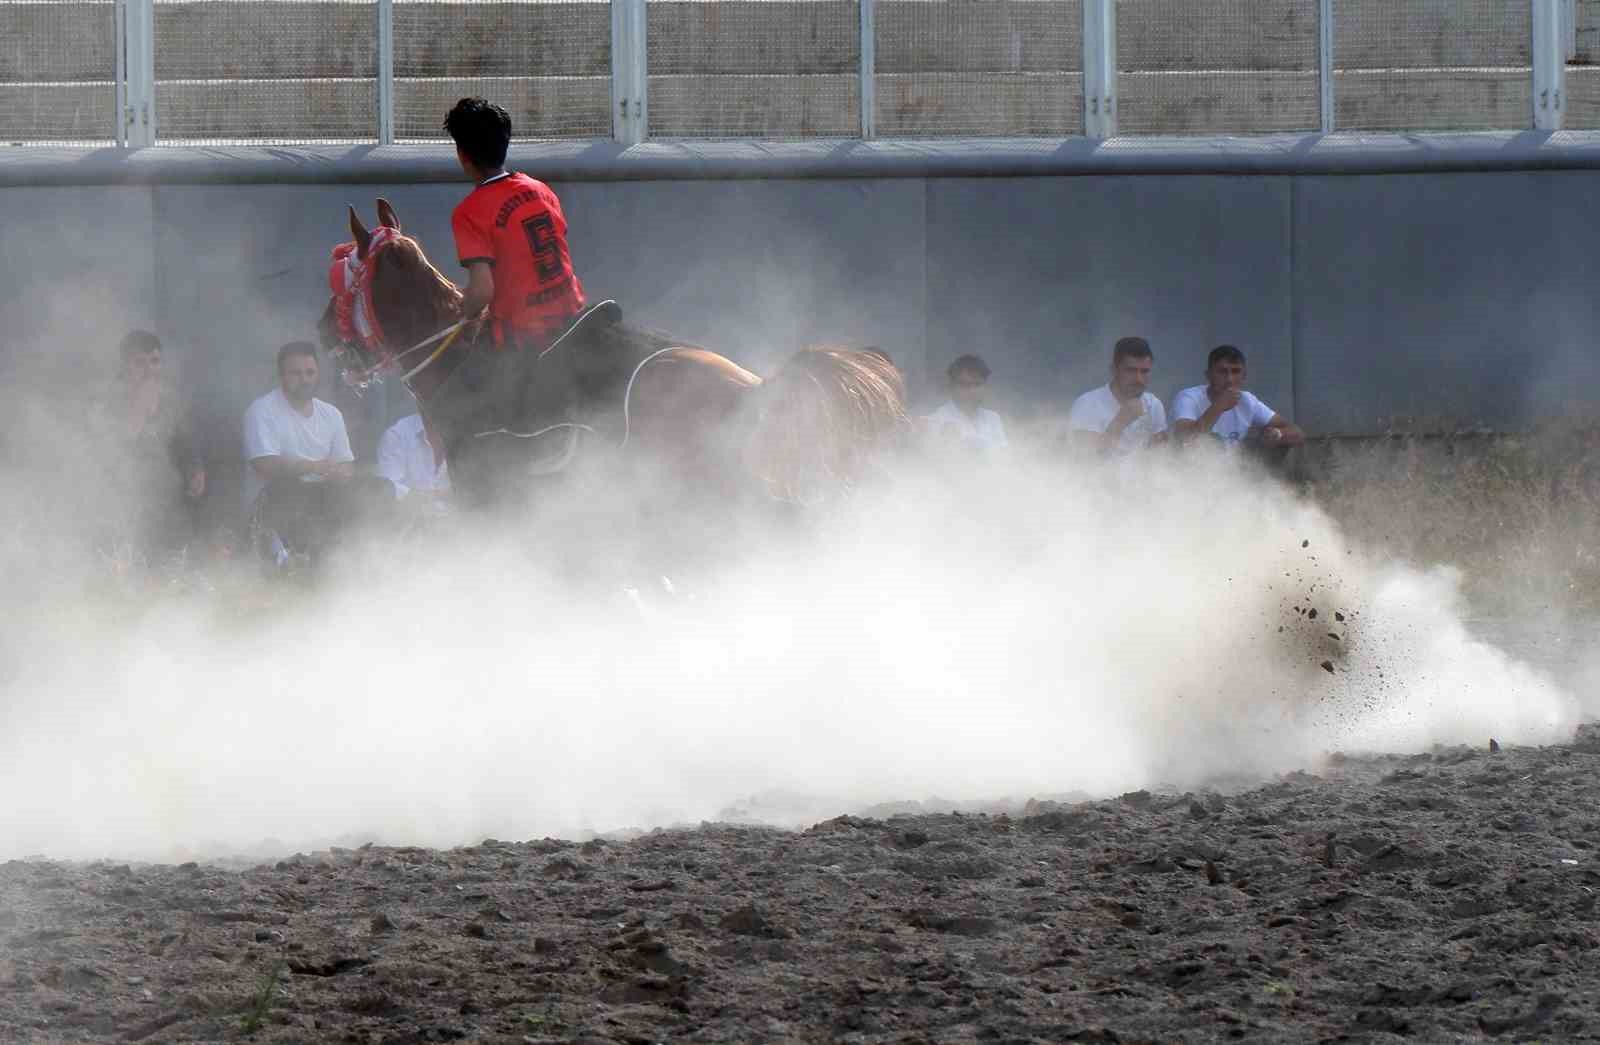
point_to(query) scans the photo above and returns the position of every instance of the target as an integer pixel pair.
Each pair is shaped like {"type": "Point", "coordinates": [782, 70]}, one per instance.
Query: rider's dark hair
{"type": "Point", "coordinates": [296, 348]}
{"type": "Point", "coordinates": [969, 365]}
{"type": "Point", "coordinates": [1131, 348]}
{"type": "Point", "coordinates": [135, 342]}
{"type": "Point", "coordinates": [1224, 353]}
{"type": "Point", "coordinates": [482, 131]}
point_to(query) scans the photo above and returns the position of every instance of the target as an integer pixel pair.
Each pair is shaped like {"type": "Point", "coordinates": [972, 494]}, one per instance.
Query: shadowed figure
{"type": "Point", "coordinates": [693, 418]}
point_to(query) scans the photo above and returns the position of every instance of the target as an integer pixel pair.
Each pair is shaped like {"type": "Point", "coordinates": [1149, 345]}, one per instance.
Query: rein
{"type": "Point", "coordinates": [449, 334]}
{"type": "Point", "coordinates": [350, 278]}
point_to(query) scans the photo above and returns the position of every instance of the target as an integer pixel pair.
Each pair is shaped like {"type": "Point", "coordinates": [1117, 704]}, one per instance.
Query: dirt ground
{"type": "Point", "coordinates": [1447, 896]}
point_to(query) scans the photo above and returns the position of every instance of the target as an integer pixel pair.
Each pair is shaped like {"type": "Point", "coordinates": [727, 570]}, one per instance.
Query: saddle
{"type": "Point", "coordinates": [520, 409]}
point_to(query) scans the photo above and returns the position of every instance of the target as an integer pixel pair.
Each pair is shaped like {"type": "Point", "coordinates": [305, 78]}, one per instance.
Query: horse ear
{"type": "Point", "coordinates": [386, 215]}
{"type": "Point", "coordinates": [362, 236]}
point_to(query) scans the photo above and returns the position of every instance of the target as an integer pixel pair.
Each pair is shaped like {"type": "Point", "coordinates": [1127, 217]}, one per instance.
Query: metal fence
{"type": "Point", "coordinates": [186, 72]}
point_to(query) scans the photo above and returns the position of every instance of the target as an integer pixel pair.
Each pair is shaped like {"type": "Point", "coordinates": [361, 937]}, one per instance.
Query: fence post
{"type": "Point", "coordinates": [869, 64]}
{"type": "Point", "coordinates": [630, 112]}
{"type": "Point", "coordinates": [1325, 63]}
{"type": "Point", "coordinates": [119, 83]}
{"type": "Point", "coordinates": [1100, 68]}
{"type": "Point", "coordinates": [1549, 65]}
{"type": "Point", "coordinates": [385, 72]}
{"type": "Point", "coordinates": [139, 67]}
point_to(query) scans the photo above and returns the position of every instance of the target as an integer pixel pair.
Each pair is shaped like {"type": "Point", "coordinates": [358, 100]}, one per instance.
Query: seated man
{"type": "Point", "coordinates": [1121, 416]}
{"type": "Point", "coordinates": [411, 458]}
{"type": "Point", "coordinates": [298, 459]}
{"type": "Point", "coordinates": [1221, 408]}
{"type": "Point", "coordinates": [154, 465]}
{"type": "Point", "coordinates": [964, 420]}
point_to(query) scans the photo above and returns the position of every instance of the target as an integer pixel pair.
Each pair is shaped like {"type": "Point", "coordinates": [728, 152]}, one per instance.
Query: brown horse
{"type": "Point", "coordinates": [811, 431]}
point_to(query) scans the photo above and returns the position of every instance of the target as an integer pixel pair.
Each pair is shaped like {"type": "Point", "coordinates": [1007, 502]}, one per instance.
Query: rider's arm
{"type": "Point", "coordinates": [480, 288]}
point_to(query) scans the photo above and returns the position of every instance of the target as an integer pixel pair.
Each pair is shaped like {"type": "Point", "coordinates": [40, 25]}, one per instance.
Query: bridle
{"type": "Point", "coordinates": [350, 277]}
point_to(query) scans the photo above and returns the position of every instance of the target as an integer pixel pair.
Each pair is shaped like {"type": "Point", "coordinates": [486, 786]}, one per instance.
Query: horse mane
{"type": "Point", "coordinates": [825, 418]}
{"type": "Point", "coordinates": [413, 299]}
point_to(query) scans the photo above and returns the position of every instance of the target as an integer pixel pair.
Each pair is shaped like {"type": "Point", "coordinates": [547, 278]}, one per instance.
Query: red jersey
{"type": "Point", "coordinates": [515, 223]}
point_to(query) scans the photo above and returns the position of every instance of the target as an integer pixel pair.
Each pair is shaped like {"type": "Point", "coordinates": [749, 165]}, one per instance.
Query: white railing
{"type": "Point", "coordinates": [897, 68]}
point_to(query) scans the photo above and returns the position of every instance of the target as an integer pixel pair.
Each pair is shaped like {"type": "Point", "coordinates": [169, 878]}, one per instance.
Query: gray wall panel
{"type": "Point", "coordinates": [1041, 276]}
{"type": "Point", "coordinates": [758, 269]}
{"type": "Point", "coordinates": [1464, 299]}
{"type": "Point", "coordinates": [241, 271]}
{"type": "Point", "coordinates": [78, 272]}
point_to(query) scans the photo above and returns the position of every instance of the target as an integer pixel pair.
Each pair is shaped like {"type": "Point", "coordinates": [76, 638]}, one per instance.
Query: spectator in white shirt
{"type": "Point", "coordinates": [298, 458]}
{"type": "Point", "coordinates": [1223, 409]}
{"type": "Point", "coordinates": [964, 420]}
{"type": "Point", "coordinates": [411, 457]}
{"type": "Point", "coordinates": [1121, 416]}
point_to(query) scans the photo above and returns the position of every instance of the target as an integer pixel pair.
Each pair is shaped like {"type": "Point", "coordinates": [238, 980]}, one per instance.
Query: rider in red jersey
{"type": "Point", "coordinates": [511, 236]}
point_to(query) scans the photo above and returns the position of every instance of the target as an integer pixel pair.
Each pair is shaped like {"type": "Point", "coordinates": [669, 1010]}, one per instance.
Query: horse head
{"type": "Point", "coordinates": [385, 297]}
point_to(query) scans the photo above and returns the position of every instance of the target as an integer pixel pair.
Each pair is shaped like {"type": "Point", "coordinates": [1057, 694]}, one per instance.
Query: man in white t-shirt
{"type": "Point", "coordinates": [1223, 409]}
{"type": "Point", "coordinates": [411, 457]}
{"type": "Point", "coordinates": [298, 457]}
{"type": "Point", "coordinates": [964, 421]}
{"type": "Point", "coordinates": [1121, 416]}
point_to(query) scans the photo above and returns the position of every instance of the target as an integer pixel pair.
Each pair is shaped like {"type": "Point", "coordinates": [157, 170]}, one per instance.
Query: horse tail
{"type": "Point", "coordinates": [825, 418]}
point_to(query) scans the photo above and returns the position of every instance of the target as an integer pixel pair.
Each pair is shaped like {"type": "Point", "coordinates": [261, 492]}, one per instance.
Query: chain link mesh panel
{"type": "Point", "coordinates": [754, 68]}
{"type": "Point", "coordinates": [1432, 65]}
{"type": "Point", "coordinates": [266, 71]}
{"type": "Point", "coordinates": [58, 72]}
{"type": "Point", "coordinates": [1583, 64]}
{"type": "Point", "coordinates": [998, 67]}
{"type": "Point", "coordinates": [1229, 67]}
{"type": "Point", "coordinates": [548, 62]}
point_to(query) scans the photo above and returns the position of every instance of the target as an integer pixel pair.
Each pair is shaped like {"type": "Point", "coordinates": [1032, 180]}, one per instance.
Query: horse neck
{"type": "Point", "coordinates": [423, 316]}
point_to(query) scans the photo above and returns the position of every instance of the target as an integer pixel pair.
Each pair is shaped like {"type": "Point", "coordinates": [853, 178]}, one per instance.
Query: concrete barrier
{"type": "Point", "coordinates": [1385, 284]}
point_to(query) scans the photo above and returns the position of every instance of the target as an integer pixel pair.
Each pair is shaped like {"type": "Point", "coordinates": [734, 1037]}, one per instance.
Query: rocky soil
{"type": "Point", "coordinates": [1448, 896]}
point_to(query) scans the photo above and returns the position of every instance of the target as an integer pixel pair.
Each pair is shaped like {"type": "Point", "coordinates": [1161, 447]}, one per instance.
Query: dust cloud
{"type": "Point", "coordinates": [956, 633]}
